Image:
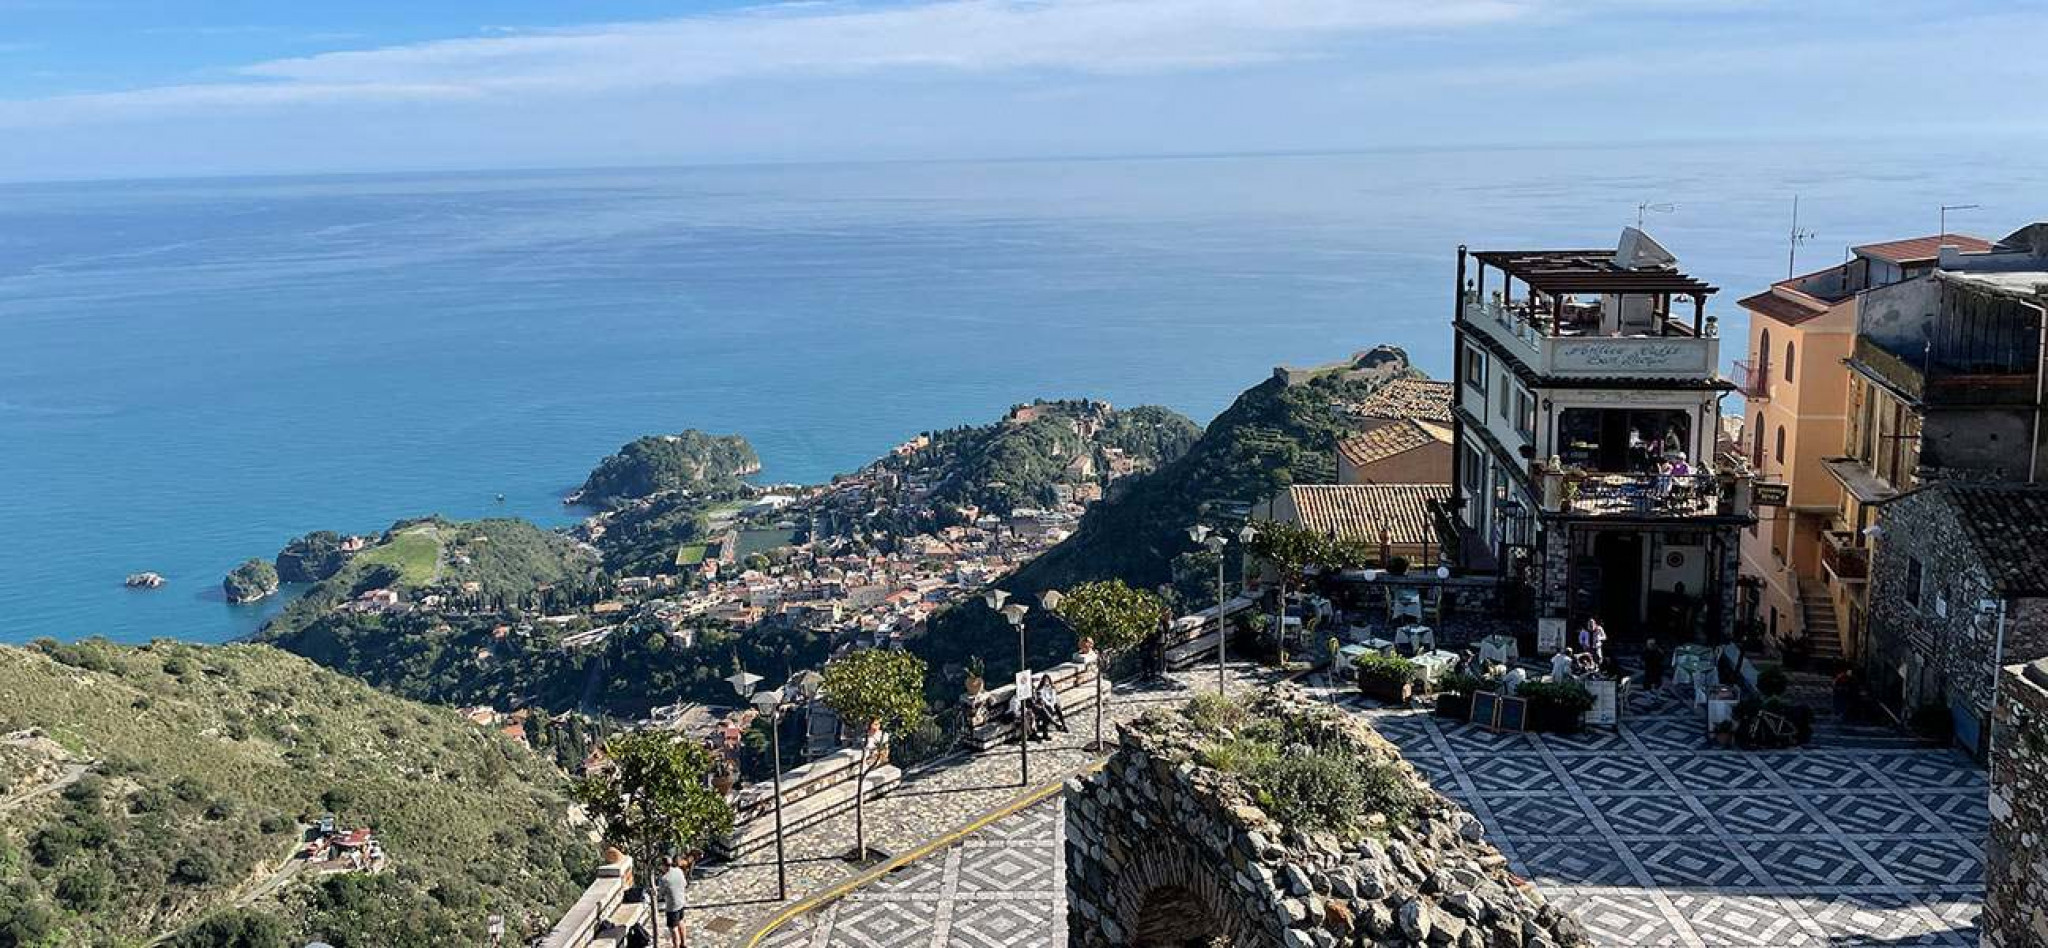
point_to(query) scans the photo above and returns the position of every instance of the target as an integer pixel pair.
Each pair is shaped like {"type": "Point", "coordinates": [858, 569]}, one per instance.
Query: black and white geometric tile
{"type": "Point", "coordinates": [1655, 837]}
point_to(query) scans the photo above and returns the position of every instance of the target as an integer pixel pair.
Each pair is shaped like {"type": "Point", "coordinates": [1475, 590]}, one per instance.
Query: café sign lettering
{"type": "Point", "coordinates": [1625, 357]}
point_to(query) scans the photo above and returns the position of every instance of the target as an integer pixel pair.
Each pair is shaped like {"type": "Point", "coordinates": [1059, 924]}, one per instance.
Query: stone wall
{"type": "Point", "coordinates": [2016, 873]}
{"type": "Point", "coordinates": [1939, 650]}
{"type": "Point", "coordinates": [1164, 851]}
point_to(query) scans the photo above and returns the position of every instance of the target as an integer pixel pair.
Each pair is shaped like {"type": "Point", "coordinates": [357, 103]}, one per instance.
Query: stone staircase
{"type": "Point", "coordinates": [1823, 631]}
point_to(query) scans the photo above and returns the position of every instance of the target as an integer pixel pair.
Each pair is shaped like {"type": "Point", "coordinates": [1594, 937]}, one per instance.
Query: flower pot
{"type": "Point", "coordinates": [975, 686]}
{"type": "Point", "coordinates": [1456, 705]}
{"type": "Point", "coordinates": [1386, 693]}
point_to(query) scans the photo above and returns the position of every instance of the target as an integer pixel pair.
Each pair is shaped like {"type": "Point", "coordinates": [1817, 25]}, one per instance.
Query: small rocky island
{"type": "Point", "coordinates": [690, 461]}
{"type": "Point", "coordinates": [252, 580]}
{"type": "Point", "coordinates": [143, 580]}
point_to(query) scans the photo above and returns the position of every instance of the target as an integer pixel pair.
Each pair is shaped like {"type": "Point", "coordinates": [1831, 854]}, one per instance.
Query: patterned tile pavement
{"type": "Point", "coordinates": [1657, 838]}
{"type": "Point", "coordinates": [1001, 887]}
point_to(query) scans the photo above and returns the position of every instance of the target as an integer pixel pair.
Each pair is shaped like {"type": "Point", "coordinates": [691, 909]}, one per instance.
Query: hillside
{"type": "Point", "coordinates": [505, 559]}
{"type": "Point", "coordinates": [689, 461]}
{"type": "Point", "coordinates": [1022, 460]}
{"type": "Point", "coordinates": [201, 767]}
{"type": "Point", "coordinates": [1273, 435]}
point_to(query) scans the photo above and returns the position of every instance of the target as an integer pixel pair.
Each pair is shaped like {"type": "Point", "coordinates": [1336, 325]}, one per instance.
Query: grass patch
{"type": "Point", "coordinates": [1300, 769]}
{"type": "Point", "coordinates": [691, 554]}
{"type": "Point", "coordinates": [415, 551]}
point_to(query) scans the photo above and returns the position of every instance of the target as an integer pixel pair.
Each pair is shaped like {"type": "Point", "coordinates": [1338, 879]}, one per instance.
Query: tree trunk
{"type": "Point", "coordinates": [654, 916]}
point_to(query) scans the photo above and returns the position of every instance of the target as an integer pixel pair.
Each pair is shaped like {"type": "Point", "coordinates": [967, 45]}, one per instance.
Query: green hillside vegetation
{"type": "Point", "coordinates": [1273, 435]}
{"type": "Point", "coordinates": [1007, 465]}
{"type": "Point", "coordinates": [311, 558]}
{"type": "Point", "coordinates": [508, 558]}
{"type": "Point", "coordinates": [641, 538]}
{"type": "Point", "coordinates": [207, 762]}
{"type": "Point", "coordinates": [252, 580]}
{"type": "Point", "coordinates": [690, 461]}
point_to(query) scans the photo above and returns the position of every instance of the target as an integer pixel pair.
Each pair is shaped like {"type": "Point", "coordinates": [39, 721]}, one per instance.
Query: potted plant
{"type": "Point", "coordinates": [1724, 734]}
{"type": "Point", "coordinates": [977, 671]}
{"type": "Point", "coordinates": [1386, 678]}
{"type": "Point", "coordinates": [1556, 707]}
{"type": "Point", "coordinates": [1771, 681]}
{"type": "Point", "coordinates": [1454, 695]}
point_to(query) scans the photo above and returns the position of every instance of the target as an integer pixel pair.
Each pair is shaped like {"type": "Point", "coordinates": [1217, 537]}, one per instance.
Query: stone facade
{"type": "Point", "coordinates": [2016, 884]}
{"type": "Point", "coordinates": [1164, 851]}
{"type": "Point", "coordinates": [1934, 619]}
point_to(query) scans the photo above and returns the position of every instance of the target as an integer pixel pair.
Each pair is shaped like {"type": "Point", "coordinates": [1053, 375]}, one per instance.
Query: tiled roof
{"type": "Point", "coordinates": [2009, 526]}
{"type": "Point", "coordinates": [1413, 398]}
{"type": "Point", "coordinates": [1386, 441]}
{"type": "Point", "coordinates": [1785, 305]}
{"type": "Point", "coordinates": [1363, 510]}
{"type": "Point", "coordinates": [1921, 249]}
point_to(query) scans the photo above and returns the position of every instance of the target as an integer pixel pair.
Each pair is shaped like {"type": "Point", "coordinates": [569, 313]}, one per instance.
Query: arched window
{"type": "Point", "coordinates": [1756, 454]}
{"type": "Point", "coordinates": [1781, 444]}
{"type": "Point", "coordinates": [1763, 353]}
{"type": "Point", "coordinates": [1788, 361]}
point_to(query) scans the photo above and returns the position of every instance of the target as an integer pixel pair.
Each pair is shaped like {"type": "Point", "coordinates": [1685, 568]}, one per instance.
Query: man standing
{"type": "Point", "coordinates": [1593, 640]}
{"type": "Point", "coordinates": [674, 884]}
{"type": "Point", "coordinates": [1654, 662]}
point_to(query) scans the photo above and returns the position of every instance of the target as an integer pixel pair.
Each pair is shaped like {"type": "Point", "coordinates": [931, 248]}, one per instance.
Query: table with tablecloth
{"type": "Point", "coordinates": [1500, 648]}
{"type": "Point", "coordinates": [1419, 638]}
{"type": "Point", "coordinates": [1432, 666]}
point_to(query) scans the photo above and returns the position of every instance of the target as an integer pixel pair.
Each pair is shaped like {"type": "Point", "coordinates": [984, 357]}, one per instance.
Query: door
{"type": "Point", "coordinates": [1620, 556]}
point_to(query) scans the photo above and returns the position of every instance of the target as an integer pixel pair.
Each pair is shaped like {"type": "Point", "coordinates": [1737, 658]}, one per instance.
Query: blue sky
{"type": "Point", "coordinates": [92, 88]}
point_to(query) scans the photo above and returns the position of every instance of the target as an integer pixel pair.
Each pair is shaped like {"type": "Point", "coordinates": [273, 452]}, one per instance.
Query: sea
{"type": "Point", "coordinates": [194, 371]}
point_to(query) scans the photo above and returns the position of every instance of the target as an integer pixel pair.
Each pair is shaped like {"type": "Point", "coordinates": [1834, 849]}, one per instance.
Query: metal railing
{"type": "Point", "coordinates": [1843, 556]}
{"type": "Point", "coordinates": [1643, 495]}
{"type": "Point", "coordinates": [1752, 379]}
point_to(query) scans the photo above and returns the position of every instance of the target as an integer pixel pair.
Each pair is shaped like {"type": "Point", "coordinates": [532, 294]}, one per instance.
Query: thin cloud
{"type": "Point", "coordinates": [1106, 37]}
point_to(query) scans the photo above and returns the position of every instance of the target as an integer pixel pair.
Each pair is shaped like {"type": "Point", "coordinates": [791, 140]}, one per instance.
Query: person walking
{"type": "Point", "coordinates": [675, 883]}
{"type": "Point", "coordinates": [1654, 663]}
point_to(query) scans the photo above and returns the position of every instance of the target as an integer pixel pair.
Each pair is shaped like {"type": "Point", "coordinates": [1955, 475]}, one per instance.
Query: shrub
{"type": "Point", "coordinates": [1213, 713]}
{"type": "Point", "coordinates": [1771, 681]}
{"type": "Point", "coordinates": [1328, 790]}
{"type": "Point", "coordinates": [1555, 706]}
{"type": "Point", "coordinates": [1383, 674]}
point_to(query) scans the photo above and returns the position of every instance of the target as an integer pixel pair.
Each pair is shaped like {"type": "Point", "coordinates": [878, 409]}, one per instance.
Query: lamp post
{"type": "Point", "coordinates": [1021, 692]}
{"type": "Point", "coordinates": [770, 704]}
{"type": "Point", "coordinates": [1215, 541]}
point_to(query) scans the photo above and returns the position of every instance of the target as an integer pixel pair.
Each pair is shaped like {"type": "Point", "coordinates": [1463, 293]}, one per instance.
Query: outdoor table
{"type": "Point", "coordinates": [1421, 638]}
{"type": "Point", "coordinates": [1348, 655]}
{"type": "Point", "coordinates": [1380, 646]}
{"type": "Point", "coordinates": [1433, 665]}
{"type": "Point", "coordinates": [1720, 707]}
{"type": "Point", "coordinates": [1689, 663]}
{"type": "Point", "coordinates": [1500, 648]}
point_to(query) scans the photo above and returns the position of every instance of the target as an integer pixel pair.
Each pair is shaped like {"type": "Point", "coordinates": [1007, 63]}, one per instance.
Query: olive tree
{"type": "Point", "coordinates": [655, 797]}
{"type": "Point", "coordinates": [880, 691]}
{"type": "Point", "coordinates": [1115, 618]}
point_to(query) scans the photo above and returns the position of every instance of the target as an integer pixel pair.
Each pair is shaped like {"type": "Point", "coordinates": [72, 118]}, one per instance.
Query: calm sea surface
{"type": "Point", "coordinates": [192, 372]}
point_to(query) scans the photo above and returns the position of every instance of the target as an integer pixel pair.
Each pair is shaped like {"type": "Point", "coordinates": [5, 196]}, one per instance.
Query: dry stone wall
{"type": "Point", "coordinates": [1163, 851]}
{"type": "Point", "coordinates": [2016, 883]}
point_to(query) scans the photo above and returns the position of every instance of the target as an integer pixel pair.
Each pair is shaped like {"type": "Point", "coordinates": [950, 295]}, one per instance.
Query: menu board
{"type": "Point", "coordinates": [1549, 636]}
{"type": "Point", "coordinates": [1605, 711]}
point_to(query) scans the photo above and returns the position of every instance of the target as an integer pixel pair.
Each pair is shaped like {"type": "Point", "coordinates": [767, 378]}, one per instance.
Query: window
{"type": "Point", "coordinates": [1913, 580]}
{"type": "Point", "coordinates": [1475, 369]}
{"type": "Point", "coordinates": [1475, 470]}
{"type": "Point", "coordinates": [1788, 361]}
{"type": "Point", "coordinates": [1756, 454]}
{"type": "Point", "coordinates": [1780, 453]}
{"type": "Point", "coordinates": [1763, 355]}
{"type": "Point", "coordinates": [1525, 414]}
{"type": "Point", "coordinates": [1505, 388]}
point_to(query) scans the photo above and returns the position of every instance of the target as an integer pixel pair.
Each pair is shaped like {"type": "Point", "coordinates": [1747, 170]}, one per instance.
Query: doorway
{"type": "Point", "coordinates": [1620, 555]}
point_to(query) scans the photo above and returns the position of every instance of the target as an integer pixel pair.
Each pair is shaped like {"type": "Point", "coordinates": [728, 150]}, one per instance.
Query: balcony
{"type": "Point", "coordinates": [1635, 496]}
{"type": "Point", "coordinates": [1560, 351]}
{"type": "Point", "coordinates": [1752, 379]}
{"type": "Point", "coordinates": [1843, 555]}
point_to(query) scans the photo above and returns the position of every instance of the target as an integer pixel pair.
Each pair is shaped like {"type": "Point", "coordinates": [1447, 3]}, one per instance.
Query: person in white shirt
{"type": "Point", "coordinates": [1561, 666]}
{"type": "Point", "coordinates": [1593, 640]}
{"type": "Point", "coordinates": [674, 885]}
{"type": "Point", "coordinates": [1512, 681]}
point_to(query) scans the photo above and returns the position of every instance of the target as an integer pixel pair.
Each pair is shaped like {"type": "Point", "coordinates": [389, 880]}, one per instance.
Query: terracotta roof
{"type": "Point", "coordinates": [1363, 510]}
{"type": "Point", "coordinates": [2008, 524]}
{"type": "Point", "coordinates": [1418, 399]}
{"type": "Point", "coordinates": [1786, 305]}
{"type": "Point", "coordinates": [1386, 441]}
{"type": "Point", "coordinates": [1920, 249]}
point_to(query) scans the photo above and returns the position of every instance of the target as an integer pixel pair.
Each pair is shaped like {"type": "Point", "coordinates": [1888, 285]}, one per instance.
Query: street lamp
{"type": "Point", "coordinates": [1215, 541]}
{"type": "Point", "coordinates": [1051, 599]}
{"type": "Point", "coordinates": [1021, 692]}
{"type": "Point", "coordinates": [770, 704]}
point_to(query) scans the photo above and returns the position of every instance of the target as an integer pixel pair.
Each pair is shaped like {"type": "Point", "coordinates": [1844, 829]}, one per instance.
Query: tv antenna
{"type": "Point", "coordinates": [1945, 208]}
{"type": "Point", "coordinates": [1796, 238]}
{"type": "Point", "coordinates": [1646, 207]}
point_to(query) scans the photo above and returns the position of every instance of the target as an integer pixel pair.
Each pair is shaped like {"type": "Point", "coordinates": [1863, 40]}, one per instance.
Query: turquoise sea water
{"type": "Point", "coordinates": [191, 372]}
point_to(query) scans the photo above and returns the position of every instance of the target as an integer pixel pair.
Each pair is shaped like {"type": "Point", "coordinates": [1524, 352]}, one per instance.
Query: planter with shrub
{"type": "Point", "coordinates": [1556, 707]}
{"type": "Point", "coordinates": [1454, 695]}
{"type": "Point", "coordinates": [1387, 678]}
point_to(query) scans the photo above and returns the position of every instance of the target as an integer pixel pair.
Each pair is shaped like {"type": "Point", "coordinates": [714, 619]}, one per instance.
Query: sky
{"type": "Point", "coordinates": [149, 88]}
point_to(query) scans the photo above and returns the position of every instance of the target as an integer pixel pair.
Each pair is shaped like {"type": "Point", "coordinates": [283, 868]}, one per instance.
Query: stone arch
{"type": "Point", "coordinates": [1173, 917]}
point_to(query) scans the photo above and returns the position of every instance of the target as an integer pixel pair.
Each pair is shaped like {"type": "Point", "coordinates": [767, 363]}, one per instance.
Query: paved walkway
{"type": "Point", "coordinates": [929, 804]}
{"type": "Point", "coordinates": [1657, 838]}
